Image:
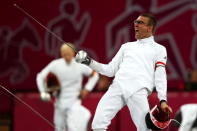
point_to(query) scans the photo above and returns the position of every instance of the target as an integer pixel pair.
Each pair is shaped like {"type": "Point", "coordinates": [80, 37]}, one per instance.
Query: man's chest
{"type": "Point", "coordinates": [65, 72]}
{"type": "Point", "coordinates": [139, 52]}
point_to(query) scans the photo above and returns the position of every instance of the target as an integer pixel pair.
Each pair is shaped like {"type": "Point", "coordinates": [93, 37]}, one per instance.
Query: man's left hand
{"type": "Point", "coordinates": [165, 107]}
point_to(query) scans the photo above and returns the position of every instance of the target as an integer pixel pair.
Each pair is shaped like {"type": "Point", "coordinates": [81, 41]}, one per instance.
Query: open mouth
{"type": "Point", "coordinates": [136, 30]}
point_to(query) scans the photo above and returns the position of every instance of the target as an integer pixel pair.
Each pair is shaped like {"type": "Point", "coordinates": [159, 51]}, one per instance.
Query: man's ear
{"type": "Point", "coordinates": [150, 28]}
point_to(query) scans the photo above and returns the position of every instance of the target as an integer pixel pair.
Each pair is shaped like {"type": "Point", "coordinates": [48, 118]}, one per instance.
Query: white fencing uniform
{"type": "Point", "coordinates": [69, 113]}
{"type": "Point", "coordinates": [189, 115]}
{"type": "Point", "coordinates": [138, 67]}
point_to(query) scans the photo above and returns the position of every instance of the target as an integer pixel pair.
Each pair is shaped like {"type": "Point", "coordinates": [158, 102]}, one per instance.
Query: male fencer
{"type": "Point", "coordinates": [138, 66]}
{"type": "Point", "coordinates": [69, 114]}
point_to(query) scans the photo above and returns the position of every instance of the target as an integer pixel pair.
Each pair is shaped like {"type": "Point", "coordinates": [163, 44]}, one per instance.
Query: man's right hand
{"type": "Point", "coordinates": [45, 96]}
{"type": "Point", "coordinates": [82, 57]}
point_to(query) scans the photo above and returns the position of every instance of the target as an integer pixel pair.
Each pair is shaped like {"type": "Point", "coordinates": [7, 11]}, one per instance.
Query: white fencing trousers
{"type": "Point", "coordinates": [113, 101]}
{"type": "Point", "coordinates": [74, 119]}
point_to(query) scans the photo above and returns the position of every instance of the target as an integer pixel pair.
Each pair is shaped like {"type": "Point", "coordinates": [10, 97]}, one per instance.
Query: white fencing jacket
{"type": "Point", "coordinates": [137, 65]}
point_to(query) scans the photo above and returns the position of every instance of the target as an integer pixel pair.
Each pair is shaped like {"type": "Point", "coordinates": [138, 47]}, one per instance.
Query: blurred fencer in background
{"type": "Point", "coordinates": [63, 78]}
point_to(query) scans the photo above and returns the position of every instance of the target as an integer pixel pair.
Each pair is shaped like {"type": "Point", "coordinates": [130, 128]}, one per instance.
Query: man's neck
{"type": "Point", "coordinates": [145, 37]}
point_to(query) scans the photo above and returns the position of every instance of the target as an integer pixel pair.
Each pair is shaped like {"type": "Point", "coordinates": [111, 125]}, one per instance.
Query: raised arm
{"type": "Point", "coordinates": [109, 69]}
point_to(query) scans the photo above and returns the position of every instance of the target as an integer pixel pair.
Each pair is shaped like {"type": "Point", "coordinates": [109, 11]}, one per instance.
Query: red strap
{"type": "Point", "coordinates": [159, 62]}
